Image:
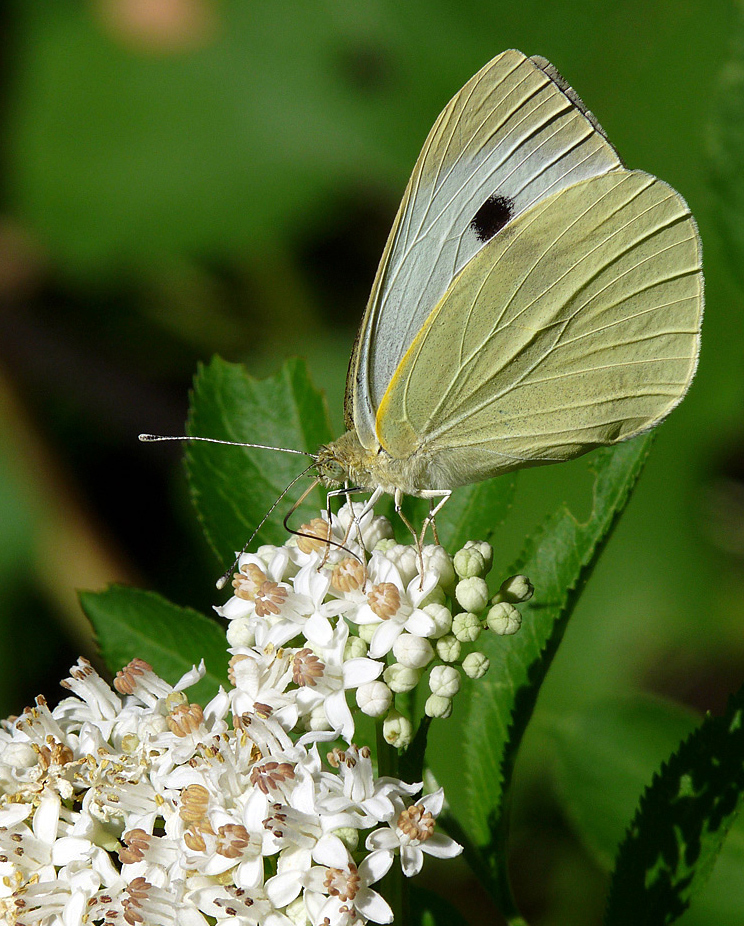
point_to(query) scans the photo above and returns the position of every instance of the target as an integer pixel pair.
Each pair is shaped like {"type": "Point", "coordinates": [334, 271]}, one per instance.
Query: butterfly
{"type": "Point", "coordinates": [535, 299]}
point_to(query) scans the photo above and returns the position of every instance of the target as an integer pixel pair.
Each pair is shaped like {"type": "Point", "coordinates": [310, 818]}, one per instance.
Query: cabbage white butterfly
{"type": "Point", "coordinates": [535, 299]}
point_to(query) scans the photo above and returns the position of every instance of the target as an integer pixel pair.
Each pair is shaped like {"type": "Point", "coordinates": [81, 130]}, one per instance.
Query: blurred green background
{"type": "Point", "coordinates": [185, 177]}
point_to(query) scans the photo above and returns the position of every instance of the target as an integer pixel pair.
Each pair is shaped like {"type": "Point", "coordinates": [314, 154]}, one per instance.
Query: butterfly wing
{"type": "Point", "coordinates": [577, 325]}
{"type": "Point", "coordinates": [514, 135]}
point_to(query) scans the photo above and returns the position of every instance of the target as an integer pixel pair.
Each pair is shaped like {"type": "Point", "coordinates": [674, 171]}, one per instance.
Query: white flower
{"type": "Point", "coordinates": [412, 834]}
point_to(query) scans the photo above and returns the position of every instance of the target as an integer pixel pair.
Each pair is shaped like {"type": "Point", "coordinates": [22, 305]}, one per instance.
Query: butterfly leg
{"type": "Point", "coordinates": [443, 495]}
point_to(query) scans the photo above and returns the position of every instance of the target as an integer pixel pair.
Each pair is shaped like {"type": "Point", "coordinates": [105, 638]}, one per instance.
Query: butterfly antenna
{"type": "Point", "coordinates": [147, 438]}
{"type": "Point", "coordinates": [222, 581]}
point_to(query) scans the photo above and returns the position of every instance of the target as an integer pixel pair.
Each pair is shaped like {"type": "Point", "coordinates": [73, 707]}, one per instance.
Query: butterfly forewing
{"type": "Point", "coordinates": [510, 138]}
{"type": "Point", "coordinates": [576, 326]}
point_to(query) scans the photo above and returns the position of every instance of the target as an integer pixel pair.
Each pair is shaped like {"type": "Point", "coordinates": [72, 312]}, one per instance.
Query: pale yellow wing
{"type": "Point", "coordinates": [578, 325]}
{"type": "Point", "coordinates": [515, 134]}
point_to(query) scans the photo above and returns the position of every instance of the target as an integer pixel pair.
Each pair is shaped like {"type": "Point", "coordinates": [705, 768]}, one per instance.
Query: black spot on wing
{"type": "Point", "coordinates": [492, 216]}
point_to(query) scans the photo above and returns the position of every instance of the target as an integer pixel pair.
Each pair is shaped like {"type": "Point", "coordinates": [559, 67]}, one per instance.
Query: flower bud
{"type": "Point", "coordinates": [355, 647]}
{"type": "Point", "coordinates": [437, 706]}
{"type": "Point", "coordinates": [385, 546]}
{"type": "Point", "coordinates": [485, 549]}
{"type": "Point", "coordinates": [469, 563]}
{"type": "Point", "coordinates": [374, 698]}
{"type": "Point", "coordinates": [467, 626]}
{"type": "Point", "coordinates": [444, 681]}
{"type": "Point", "coordinates": [366, 632]}
{"type": "Point", "coordinates": [504, 619]}
{"type": "Point", "coordinates": [435, 596]}
{"type": "Point", "coordinates": [442, 618]}
{"type": "Point", "coordinates": [448, 648]}
{"type": "Point", "coordinates": [514, 590]}
{"type": "Point", "coordinates": [378, 529]}
{"type": "Point", "coordinates": [413, 652]}
{"type": "Point", "coordinates": [400, 678]}
{"type": "Point", "coordinates": [472, 594]}
{"type": "Point", "coordinates": [405, 560]}
{"type": "Point", "coordinates": [437, 559]}
{"type": "Point", "coordinates": [349, 836]}
{"type": "Point", "coordinates": [397, 730]}
{"type": "Point", "coordinates": [475, 665]}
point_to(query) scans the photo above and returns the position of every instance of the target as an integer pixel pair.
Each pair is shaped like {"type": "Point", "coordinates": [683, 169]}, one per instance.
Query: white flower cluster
{"type": "Point", "coordinates": [356, 613]}
{"type": "Point", "coordinates": [134, 805]}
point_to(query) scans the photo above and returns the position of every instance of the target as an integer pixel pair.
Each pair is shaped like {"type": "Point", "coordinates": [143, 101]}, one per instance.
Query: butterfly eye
{"type": "Point", "coordinates": [491, 217]}
{"type": "Point", "coordinates": [331, 470]}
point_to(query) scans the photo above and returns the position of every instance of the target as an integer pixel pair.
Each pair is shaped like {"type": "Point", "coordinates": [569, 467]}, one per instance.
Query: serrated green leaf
{"type": "Point", "coordinates": [234, 487]}
{"type": "Point", "coordinates": [605, 754]}
{"type": "Point", "coordinates": [681, 824]}
{"type": "Point", "coordinates": [474, 512]}
{"type": "Point", "coordinates": [558, 560]}
{"type": "Point", "coordinates": [132, 623]}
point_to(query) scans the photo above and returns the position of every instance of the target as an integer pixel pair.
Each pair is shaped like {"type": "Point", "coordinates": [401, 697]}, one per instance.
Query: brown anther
{"type": "Point", "coordinates": [137, 842]}
{"type": "Point", "coordinates": [348, 575]}
{"type": "Point", "coordinates": [384, 599]}
{"type": "Point", "coordinates": [194, 839]}
{"type": "Point", "coordinates": [417, 824]}
{"type": "Point", "coordinates": [194, 803]}
{"type": "Point", "coordinates": [185, 719]}
{"type": "Point", "coordinates": [342, 884]}
{"type": "Point", "coordinates": [269, 599]}
{"type": "Point", "coordinates": [314, 537]}
{"type": "Point", "coordinates": [270, 775]}
{"type": "Point", "coordinates": [248, 581]}
{"type": "Point", "coordinates": [231, 666]}
{"type": "Point", "coordinates": [307, 668]}
{"type": "Point", "coordinates": [232, 840]}
{"type": "Point", "coordinates": [125, 681]}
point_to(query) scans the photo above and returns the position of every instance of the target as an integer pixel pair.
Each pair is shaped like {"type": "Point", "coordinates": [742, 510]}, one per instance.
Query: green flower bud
{"type": "Point", "coordinates": [366, 632]}
{"type": "Point", "coordinates": [475, 665]}
{"type": "Point", "coordinates": [469, 563]}
{"type": "Point", "coordinates": [514, 590]}
{"type": "Point", "coordinates": [485, 550]}
{"type": "Point", "coordinates": [397, 730]}
{"type": "Point", "coordinates": [504, 619]}
{"type": "Point", "coordinates": [444, 681]}
{"type": "Point", "coordinates": [355, 647]}
{"type": "Point", "coordinates": [401, 678]}
{"type": "Point", "coordinates": [448, 648]}
{"type": "Point", "coordinates": [467, 626]}
{"type": "Point", "coordinates": [442, 617]}
{"type": "Point", "coordinates": [437, 706]}
{"type": "Point", "coordinates": [472, 594]}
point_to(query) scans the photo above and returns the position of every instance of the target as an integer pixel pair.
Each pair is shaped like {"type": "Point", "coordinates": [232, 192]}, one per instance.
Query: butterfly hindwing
{"type": "Point", "coordinates": [576, 326]}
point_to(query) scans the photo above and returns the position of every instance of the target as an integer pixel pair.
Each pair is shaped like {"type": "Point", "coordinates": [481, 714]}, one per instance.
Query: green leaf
{"type": "Point", "coordinates": [681, 824]}
{"type": "Point", "coordinates": [605, 756]}
{"type": "Point", "coordinates": [433, 910]}
{"type": "Point", "coordinates": [558, 560]}
{"type": "Point", "coordinates": [234, 487]}
{"type": "Point", "coordinates": [474, 512]}
{"type": "Point", "coordinates": [131, 623]}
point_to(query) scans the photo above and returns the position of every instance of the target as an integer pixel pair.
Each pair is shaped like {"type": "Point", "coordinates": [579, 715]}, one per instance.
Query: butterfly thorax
{"type": "Point", "coordinates": [346, 461]}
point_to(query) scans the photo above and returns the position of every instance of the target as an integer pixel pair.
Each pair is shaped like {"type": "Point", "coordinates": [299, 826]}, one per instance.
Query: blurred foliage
{"type": "Point", "coordinates": [185, 177]}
